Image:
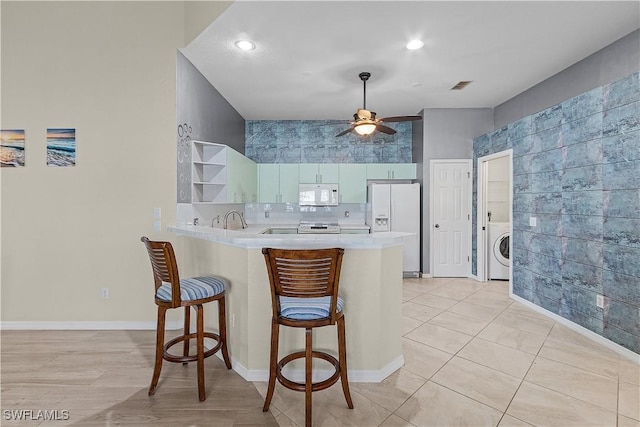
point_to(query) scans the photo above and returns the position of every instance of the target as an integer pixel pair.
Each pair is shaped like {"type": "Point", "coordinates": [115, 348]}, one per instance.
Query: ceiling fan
{"type": "Point", "coordinates": [365, 122]}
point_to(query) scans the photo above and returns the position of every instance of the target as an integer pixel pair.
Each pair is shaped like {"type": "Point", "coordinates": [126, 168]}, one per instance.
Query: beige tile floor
{"type": "Point", "coordinates": [474, 357]}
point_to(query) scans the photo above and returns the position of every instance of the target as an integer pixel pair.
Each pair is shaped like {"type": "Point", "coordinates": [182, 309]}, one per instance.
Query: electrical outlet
{"type": "Point", "coordinates": [600, 301]}
{"type": "Point", "coordinates": [157, 213]}
{"type": "Point", "coordinates": [157, 226]}
{"type": "Point", "coordinates": [104, 293]}
{"type": "Point", "coordinates": [346, 214]}
{"type": "Point", "coordinates": [266, 214]}
{"type": "Point", "coordinates": [533, 221]}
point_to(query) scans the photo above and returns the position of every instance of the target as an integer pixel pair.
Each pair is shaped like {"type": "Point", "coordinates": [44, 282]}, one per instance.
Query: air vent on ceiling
{"type": "Point", "coordinates": [461, 85]}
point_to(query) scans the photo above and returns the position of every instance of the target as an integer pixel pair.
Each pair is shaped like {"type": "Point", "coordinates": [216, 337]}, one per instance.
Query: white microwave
{"type": "Point", "coordinates": [319, 195]}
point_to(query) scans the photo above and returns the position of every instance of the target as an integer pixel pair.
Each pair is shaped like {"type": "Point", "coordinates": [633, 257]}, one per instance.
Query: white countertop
{"type": "Point", "coordinates": [252, 237]}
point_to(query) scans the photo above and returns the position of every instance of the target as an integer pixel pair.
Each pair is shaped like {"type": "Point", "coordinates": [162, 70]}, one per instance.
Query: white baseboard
{"type": "Point", "coordinates": [88, 326]}
{"type": "Point", "coordinates": [581, 330]}
{"type": "Point", "coordinates": [356, 376]}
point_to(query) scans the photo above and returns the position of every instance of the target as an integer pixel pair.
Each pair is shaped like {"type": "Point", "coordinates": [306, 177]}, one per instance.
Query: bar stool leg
{"type": "Point", "coordinates": [222, 322]}
{"type": "Point", "coordinates": [187, 331]}
{"type": "Point", "coordinates": [200, 346]}
{"type": "Point", "coordinates": [342, 355]}
{"type": "Point", "coordinates": [273, 363]}
{"type": "Point", "coordinates": [159, 349]}
{"type": "Point", "coordinates": [307, 377]}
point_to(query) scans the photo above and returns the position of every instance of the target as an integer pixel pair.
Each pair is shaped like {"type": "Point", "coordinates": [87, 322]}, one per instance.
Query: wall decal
{"type": "Point", "coordinates": [12, 148]}
{"type": "Point", "coordinates": [184, 163]}
{"type": "Point", "coordinates": [61, 147]}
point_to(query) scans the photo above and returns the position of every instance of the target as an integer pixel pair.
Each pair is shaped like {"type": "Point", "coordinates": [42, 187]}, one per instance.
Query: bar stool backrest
{"type": "Point", "coordinates": [165, 268]}
{"type": "Point", "coordinates": [304, 273]}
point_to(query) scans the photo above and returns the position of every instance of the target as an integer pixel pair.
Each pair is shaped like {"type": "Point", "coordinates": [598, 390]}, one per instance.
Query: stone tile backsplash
{"type": "Point", "coordinates": [576, 168]}
{"type": "Point", "coordinates": [314, 141]}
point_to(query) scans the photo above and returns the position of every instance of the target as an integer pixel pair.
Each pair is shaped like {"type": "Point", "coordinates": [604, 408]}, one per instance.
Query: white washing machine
{"type": "Point", "coordinates": [499, 262]}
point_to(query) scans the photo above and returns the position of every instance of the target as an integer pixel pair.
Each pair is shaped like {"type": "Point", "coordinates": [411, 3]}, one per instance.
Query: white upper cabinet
{"type": "Point", "coordinates": [391, 171]}
{"type": "Point", "coordinates": [353, 183]}
{"type": "Point", "coordinates": [317, 173]}
{"type": "Point", "coordinates": [242, 178]}
{"type": "Point", "coordinates": [220, 174]}
{"type": "Point", "coordinates": [278, 183]}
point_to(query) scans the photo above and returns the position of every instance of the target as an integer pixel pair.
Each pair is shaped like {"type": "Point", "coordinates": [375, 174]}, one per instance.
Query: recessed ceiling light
{"type": "Point", "coordinates": [416, 84]}
{"type": "Point", "coordinates": [245, 45]}
{"type": "Point", "coordinates": [415, 44]}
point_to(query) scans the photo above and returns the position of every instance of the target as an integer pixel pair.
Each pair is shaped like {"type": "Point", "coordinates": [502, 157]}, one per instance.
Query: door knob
{"type": "Point", "coordinates": [437, 225]}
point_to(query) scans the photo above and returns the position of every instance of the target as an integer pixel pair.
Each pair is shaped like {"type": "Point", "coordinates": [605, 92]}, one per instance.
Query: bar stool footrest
{"type": "Point", "coordinates": [321, 385]}
{"type": "Point", "coordinates": [185, 359]}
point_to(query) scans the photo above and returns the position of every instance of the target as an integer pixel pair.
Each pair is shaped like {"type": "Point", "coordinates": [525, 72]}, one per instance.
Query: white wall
{"type": "Point", "coordinates": [107, 69]}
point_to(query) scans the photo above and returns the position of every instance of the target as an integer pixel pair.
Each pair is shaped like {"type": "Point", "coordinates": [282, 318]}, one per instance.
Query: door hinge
{"type": "Point", "coordinates": [468, 259]}
{"type": "Point", "coordinates": [468, 216]}
{"type": "Point", "coordinates": [468, 174]}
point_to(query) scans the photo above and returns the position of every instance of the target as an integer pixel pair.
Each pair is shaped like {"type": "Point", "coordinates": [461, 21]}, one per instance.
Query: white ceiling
{"type": "Point", "coordinates": [309, 54]}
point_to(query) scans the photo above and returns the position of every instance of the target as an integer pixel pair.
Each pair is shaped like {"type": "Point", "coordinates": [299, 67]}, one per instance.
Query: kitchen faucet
{"type": "Point", "coordinates": [233, 211]}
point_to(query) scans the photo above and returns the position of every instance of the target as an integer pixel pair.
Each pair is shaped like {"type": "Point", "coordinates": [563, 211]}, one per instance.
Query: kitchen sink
{"type": "Point", "coordinates": [280, 231]}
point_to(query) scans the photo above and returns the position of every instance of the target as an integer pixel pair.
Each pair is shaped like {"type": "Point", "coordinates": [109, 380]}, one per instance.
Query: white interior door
{"type": "Point", "coordinates": [451, 218]}
{"type": "Point", "coordinates": [483, 254]}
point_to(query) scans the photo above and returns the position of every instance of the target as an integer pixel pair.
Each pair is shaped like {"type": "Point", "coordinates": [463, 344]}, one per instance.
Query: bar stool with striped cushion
{"type": "Point", "coordinates": [304, 294]}
{"type": "Point", "coordinates": [173, 292]}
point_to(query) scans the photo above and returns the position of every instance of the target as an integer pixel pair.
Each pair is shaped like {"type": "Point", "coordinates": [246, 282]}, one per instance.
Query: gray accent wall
{"type": "Point", "coordinates": [448, 133]}
{"type": "Point", "coordinates": [203, 114]}
{"type": "Point", "coordinates": [612, 63]}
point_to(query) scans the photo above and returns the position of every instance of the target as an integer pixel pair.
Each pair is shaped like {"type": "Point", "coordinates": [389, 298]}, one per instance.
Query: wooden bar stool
{"type": "Point", "coordinates": [173, 292]}
{"type": "Point", "coordinates": [304, 294]}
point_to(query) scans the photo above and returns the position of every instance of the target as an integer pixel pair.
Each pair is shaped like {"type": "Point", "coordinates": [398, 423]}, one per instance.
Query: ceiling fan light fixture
{"type": "Point", "coordinates": [364, 129]}
{"type": "Point", "coordinates": [415, 44]}
{"type": "Point", "coordinates": [245, 45]}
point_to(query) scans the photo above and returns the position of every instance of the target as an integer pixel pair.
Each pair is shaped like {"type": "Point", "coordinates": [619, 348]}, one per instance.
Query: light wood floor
{"type": "Point", "coordinates": [101, 378]}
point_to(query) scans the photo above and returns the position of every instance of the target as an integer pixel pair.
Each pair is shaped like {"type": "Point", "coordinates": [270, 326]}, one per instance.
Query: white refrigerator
{"type": "Point", "coordinates": [396, 207]}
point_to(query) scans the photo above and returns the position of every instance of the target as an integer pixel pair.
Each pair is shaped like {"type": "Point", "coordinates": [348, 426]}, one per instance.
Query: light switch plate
{"type": "Point", "coordinates": [157, 213]}
{"type": "Point", "coordinates": [533, 221]}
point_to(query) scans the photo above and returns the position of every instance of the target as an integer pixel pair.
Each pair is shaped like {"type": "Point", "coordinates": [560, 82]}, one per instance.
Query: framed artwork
{"type": "Point", "coordinates": [12, 148]}
{"type": "Point", "coordinates": [61, 147]}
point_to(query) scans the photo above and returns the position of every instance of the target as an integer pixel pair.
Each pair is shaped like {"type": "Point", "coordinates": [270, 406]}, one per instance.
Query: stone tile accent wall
{"type": "Point", "coordinates": [576, 168]}
{"type": "Point", "coordinates": [314, 141]}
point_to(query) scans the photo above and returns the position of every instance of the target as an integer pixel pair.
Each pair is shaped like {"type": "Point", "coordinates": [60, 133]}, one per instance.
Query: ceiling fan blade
{"type": "Point", "coordinates": [385, 129]}
{"type": "Point", "coordinates": [344, 132]}
{"type": "Point", "coordinates": [401, 118]}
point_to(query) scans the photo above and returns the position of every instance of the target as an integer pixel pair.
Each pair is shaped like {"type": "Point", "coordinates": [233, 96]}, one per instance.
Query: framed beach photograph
{"type": "Point", "coordinates": [12, 148]}
{"type": "Point", "coordinates": [61, 147]}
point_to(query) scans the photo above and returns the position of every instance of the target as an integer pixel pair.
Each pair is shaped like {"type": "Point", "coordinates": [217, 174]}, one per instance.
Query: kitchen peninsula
{"type": "Point", "coordinates": [370, 284]}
